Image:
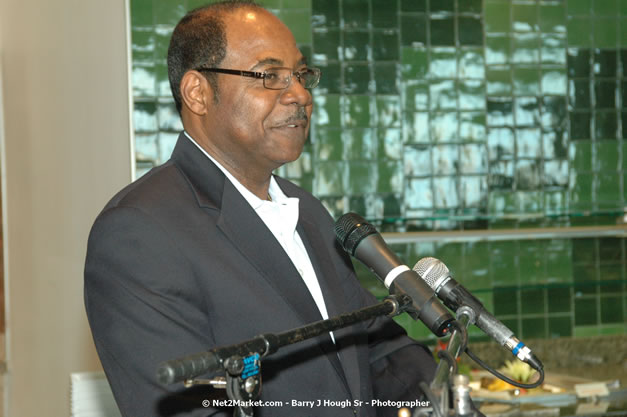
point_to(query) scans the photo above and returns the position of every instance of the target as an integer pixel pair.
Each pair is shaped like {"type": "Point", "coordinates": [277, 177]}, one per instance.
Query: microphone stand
{"type": "Point", "coordinates": [242, 361]}
{"type": "Point", "coordinates": [440, 385]}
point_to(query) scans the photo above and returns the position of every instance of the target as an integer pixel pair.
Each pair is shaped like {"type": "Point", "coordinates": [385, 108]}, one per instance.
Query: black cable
{"type": "Point", "coordinates": [435, 404]}
{"type": "Point", "coordinates": [503, 377]}
{"type": "Point", "coordinates": [452, 363]}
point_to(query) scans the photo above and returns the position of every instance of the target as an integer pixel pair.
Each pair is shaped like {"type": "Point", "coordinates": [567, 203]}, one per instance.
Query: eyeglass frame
{"type": "Point", "coordinates": [262, 75]}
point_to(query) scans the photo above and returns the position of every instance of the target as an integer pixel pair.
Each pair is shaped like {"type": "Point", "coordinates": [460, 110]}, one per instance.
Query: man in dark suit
{"type": "Point", "coordinates": [211, 249]}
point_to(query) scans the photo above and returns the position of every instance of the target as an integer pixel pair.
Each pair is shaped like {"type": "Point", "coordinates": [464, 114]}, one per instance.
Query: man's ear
{"type": "Point", "coordinates": [196, 92]}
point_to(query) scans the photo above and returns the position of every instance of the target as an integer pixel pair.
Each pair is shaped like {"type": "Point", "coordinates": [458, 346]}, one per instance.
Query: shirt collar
{"type": "Point", "coordinates": [274, 191]}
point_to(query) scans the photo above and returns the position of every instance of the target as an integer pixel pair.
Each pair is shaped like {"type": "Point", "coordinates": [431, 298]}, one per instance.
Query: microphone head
{"type": "Point", "coordinates": [350, 229]}
{"type": "Point", "coordinates": [432, 270]}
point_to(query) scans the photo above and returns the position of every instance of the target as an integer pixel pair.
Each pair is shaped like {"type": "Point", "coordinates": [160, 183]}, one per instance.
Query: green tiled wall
{"type": "Point", "coordinates": [455, 115]}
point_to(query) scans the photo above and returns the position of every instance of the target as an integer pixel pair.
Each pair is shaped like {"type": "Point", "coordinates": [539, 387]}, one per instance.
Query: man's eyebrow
{"type": "Point", "coordinates": [277, 62]}
{"type": "Point", "coordinates": [268, 61]}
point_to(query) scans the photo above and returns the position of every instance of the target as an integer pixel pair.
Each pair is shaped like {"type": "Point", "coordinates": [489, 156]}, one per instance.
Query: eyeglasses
{"type": "Point", "coordinates": [277, 78]}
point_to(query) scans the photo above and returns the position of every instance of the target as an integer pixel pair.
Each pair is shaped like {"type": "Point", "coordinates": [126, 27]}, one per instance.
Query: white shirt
{"type": "Point", "coordinates": [281, 217]}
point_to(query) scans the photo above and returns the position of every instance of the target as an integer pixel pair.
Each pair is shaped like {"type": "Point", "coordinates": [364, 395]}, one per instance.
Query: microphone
{"type": "Point", "coordinates": [360, 239]}
{"type": "Point", "coordinates": [454, 295]}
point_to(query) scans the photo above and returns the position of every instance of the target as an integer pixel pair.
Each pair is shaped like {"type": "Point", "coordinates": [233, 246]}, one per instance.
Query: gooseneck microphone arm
{"type": "Point", "coordinates": [361, 240]}
{"type": "Point", "coordinates": [216, 360]}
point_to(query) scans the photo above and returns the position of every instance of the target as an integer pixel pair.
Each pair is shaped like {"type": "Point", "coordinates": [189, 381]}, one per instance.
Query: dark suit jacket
{"type": "Point", "coordinates": [178, 263]}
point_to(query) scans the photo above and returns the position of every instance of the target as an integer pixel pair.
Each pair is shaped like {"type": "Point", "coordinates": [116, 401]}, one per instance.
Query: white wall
{"type": "Point", "coordinates": [67, 150]}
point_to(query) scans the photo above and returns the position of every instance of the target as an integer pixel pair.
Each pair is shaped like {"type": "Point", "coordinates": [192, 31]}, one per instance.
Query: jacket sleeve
{"type": "Point", "coordinates": [142, 309]}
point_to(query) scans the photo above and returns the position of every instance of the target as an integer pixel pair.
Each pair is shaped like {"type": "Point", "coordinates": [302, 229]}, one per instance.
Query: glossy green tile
{"type": "Point", "coordinates": [533, 301]}
{"type": "Point", "coordinates": [384, 14]}
{"type": "Point", "coordinates": [330, 78]}
{"type": "Point", "coordinates": [327, 110]}
{"type": "Point", "coordinates": [469, 6]}
{"type": "Point", "coordinates": [581, 191]}
{"type": "Point", "coordinates": [413, 30]}
{"type": "Point", "coordinates": [553, 48]}
{"type": "Point", "coordinates": [416, 95]}
{"type": "Point", "coordinates": [358, 144]}
{"type": "Point", "coordinates": [330, 178]}
{"type": "Point", "coordinates": [143, 44]}
{"type": "Point", "coordinates": [606, 8]}
{"type": "Point", "coordinates": [414, 63]}
{"type": "Point", "coordinates": [560, 327]}
{"type": "Point", "coordinates": [505, 301]}
{"type": "Point", "coordinates": [499, 111]}
{"type": "Point", "coordinates": [586, 331]}
{"type": "Point", "coordinates": [471, 63]}
{"type": "Point", "coordinates": [414, 5]}
{"type": "Point", "coordinates": [143, 79]}
{"type": "Point", "coordinates": [472, 126]}
{"type": "Point", "coordinates": [525, 17]}
{"type": "Point", "coordinates": [555, 202]}
{"type": "Point", "coordinates": [361, 178]}
{"type": "Point", "coordinates": [329, 145]}
{"type": "Point", "coordinates": [499, 81]}
{"type": "Point", "coordinates": [442, 31]}
{"type": "Point", "coordinates": [606, 33]}
{"type": "Point", "coordinates": [299, 22]}
{"type": "Point", "coordinates": [389, 144]}
{"type": "Point", "coordinates": [474, 193]}
{"type": "Point", "coordinates": [623, 33]}
{"type": "Point", "coordinates": [534, 328]}
{"type": "Point", "coordinates": [354, 14]}
{"type": "Point", "coordinates": [445, 193]}
{"type": "Point", "coordinates": [356, 79]}
{"type": "Point", "coordinates": [497, 16]}
{"type": "Point", "coordinates": [605, 93]}
{"type": "Point", "coordinates": [584, 251]}
{"type": "Point", "coordinates": [526, 81]}
{"type": "Point", "coordinates": [585, 312]}
{"type": "Point", "coordinates": [612, 310]}
{"type": "Point", "coordinates": [141, 13]}
{"type": "Point", "coordinates": [445, 159]}
{"type": "Point", "coordinates": [607, 191]}
{"type": "Point", "coordinates": [579, 62]}
{"type": "Point", "coordinates": [386, 78]}
{"type": "Point", "coordinates": [526, 48]}
{"type": "Point", "coordinates": [554, 115]}
{"type": "Point", "coordinates": [611, 250]}
{"type": "Point", "coordinates": [357, 46]}
{"type": "Point", "coordinates": [605, 125]}
{"type": "Point", "coordinates": [388, 110]}
{"type": "Point", "coordinates": [418, 193]}
{"type": "Point", "coordinates": [580, 125]}
{"type": "Point", "coordinates": [552, 17]}
{"type": "Point", "coordinates": [270, 4]}
{"type": "Point", "coordinates": [498, 50]}
{"type": "Point", "coordinates": [526, 111]}
{"type": "Point", "coordinates": [415, 128]}
{"type": "Point", "coordinates": [607, 156]}
{"type": "Point", "coordinates": [385, 46]}
{"type": "Point", "coordinates": [554, 82]}
{"type": "Point", "coordinates": [579, 7]}
{"type": "Point", "coordinates": [579, 31]}
{"type": "Point", "coordinates": [443, 127]}
{"type": "Point", "coordinates": [357, 111]}
{"type": "Point", "coordinates": [470, 31]}
{"type": "Point", "coordinates": [473, 159]}
{"type": "Point", "coordinates": [443, 63]}
{"type": "Point", "coordinates": [326, 43]}
{"type": "Point", "coordinates": [501, 143]}
{"type": "Point", "coordinates": [611, 279]}
{"type": "Point", "coordinates": [471, 95]}
{"type": "Point", "coordinates": [443, 95]}
{"type": "Point", "coordinates": [559, 299]}
{"type": "Point", "coordinates": [390, 177]}
{"type": "Point", "coordinates": [605, 63]}
{"type": "Point", "coordinates": [325, 13]}
{"type": "Point", "coordinates": [556, 174]}
{"type": "Point", "coordinates": [168, 13]}
{"type": "Point", "coordinates": [162, 81]}
{"type": "Point", "coordinates": [145, 117]}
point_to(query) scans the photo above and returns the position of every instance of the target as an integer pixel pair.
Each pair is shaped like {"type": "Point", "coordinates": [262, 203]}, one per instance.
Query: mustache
{"type": "Point", "coordinates": [300, 115]}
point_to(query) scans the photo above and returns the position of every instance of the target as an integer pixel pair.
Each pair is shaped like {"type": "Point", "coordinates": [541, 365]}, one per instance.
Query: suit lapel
{"type": "Point", "coordinates": [335, 301]}
{"type": "Point", "coordinates": [242, 226]}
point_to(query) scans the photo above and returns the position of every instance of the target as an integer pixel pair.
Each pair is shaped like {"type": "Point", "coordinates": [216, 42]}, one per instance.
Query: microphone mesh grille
{"type": "Point", "coordinates": [431, 270]}
{"type": "Point", "coordinates": [350, 229]}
